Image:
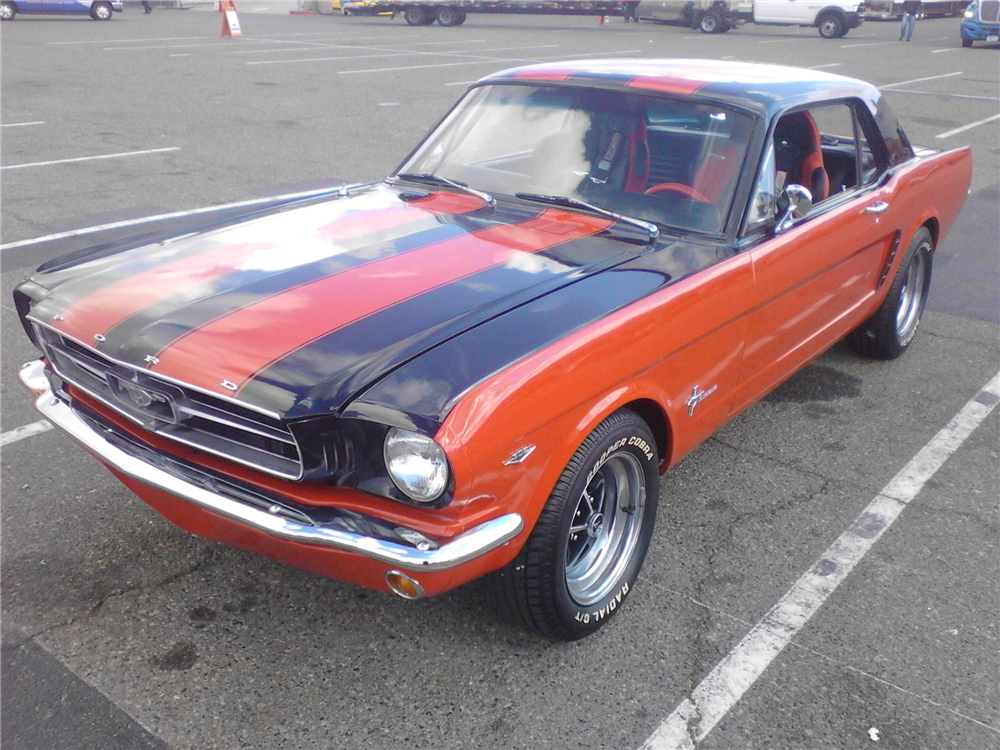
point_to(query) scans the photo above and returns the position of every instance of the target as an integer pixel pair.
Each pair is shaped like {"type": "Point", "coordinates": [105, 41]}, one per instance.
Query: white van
{"type": "Point", "coordinates": [833, 18]}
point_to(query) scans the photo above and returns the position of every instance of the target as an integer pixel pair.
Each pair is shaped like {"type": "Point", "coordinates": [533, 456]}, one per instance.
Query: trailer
{"type": "Point", "coordinates": [885, 10]}
{"type": "Point", "coordinates": [454, 12]}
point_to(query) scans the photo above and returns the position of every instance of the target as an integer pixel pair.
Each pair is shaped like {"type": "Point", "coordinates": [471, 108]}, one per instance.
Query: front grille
{"type": "Point", "coordinates": [989, 11]}
{"type": "Point", "coordinates": [171, 411]}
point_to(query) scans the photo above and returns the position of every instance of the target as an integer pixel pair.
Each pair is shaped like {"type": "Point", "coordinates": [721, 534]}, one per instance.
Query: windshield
{"type": "Point", "coordinates": [669, 161]}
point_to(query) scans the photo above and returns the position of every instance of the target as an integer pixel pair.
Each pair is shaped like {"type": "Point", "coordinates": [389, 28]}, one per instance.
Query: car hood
{"type": "Point", "coordinates": [297, 311]}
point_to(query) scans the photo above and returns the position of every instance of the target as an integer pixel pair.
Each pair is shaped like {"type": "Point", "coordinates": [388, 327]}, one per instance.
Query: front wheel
{"type": "Point", "coordinates": [889, 332]}
{"type": "Point", "coordinates": [966, 42]}
{"type": "Point", "coordinates": [588, 545]}
{"type": "Point", "coordinates": [7, 11]}
{"type": "Point", "coordinates": [831, 26]}
{"type": "Point", "coordinates": [101, 12]}
{"type": "Point", "coordinates": [450, 17]}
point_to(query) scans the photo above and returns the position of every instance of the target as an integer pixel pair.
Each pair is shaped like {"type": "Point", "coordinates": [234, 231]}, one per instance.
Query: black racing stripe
{"type": "Point", "coordinates": [346, 360]}
{"type": "Point", "coordinates": [156, 327]}
{"type": "Point", "coordinates": [428, 387]}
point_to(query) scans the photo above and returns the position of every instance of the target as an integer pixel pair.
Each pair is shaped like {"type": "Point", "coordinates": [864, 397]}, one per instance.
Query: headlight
{"type": "Point", "coordinates": [969, 14]}
{"type": "Point", "coordinates": [416, 464]}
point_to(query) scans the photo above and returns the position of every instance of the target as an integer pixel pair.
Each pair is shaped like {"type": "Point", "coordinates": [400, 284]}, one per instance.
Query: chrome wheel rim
{"type": "Point", "coordinates": [911, 296]}
{"type": "Point", "coordinates": [605, 529]}
{"type": "Point", "coordinates": [6, 12]}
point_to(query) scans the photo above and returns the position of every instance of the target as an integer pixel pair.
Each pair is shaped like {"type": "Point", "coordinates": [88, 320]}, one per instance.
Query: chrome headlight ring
{"type": "Point", "coordinates": [416, 464]}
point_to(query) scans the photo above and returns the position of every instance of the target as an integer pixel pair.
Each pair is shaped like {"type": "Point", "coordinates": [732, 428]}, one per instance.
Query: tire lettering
{"type": "Point", "coordinates": [643, 446]}
{"type": "Point", "coordinates": [604, 456]}
{"type": "Point", "coordinates": [605, 611]}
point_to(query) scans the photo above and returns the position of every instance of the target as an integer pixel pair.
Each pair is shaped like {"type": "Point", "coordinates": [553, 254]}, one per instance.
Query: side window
{"type": "Point", "coordinates": [822, 148]}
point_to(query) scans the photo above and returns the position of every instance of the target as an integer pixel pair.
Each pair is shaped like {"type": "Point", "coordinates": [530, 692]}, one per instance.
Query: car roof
{"type": "Point", "coordinates": [756, 86]}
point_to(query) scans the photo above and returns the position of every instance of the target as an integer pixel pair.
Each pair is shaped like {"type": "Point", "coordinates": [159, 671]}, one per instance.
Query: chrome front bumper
{"type": "Point", "coordinates": [464, 547]}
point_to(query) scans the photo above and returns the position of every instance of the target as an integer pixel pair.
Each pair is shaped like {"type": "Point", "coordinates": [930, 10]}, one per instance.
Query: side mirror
{"type": "Point", "coordinates": [794, 203]}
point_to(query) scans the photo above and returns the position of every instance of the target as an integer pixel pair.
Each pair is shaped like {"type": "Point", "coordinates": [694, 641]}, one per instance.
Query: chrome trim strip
{"type": "Point", "coordinates": [199, 410]}
{"type": "Point", "coordinates": [464, 547]}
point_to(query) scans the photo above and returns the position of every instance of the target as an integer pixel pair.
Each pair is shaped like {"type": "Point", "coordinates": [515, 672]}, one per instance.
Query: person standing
{"type": "Point", "coordinates": [146, 7]}
{"type": "Point", "coordinates": [911, 9]}
{"type": "Point", "coordinates": [628, 10]}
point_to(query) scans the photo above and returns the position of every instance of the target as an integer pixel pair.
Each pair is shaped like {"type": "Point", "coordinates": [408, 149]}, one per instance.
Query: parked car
{"type": "Point", "coordinates": [482, 365]}
{"type": "Point", "coordinates": [99, 10]}
{"type": "Point", "coordinates": [981, 22]}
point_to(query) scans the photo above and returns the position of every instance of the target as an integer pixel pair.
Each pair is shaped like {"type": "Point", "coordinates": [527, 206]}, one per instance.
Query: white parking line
{"type": "Point", "coordinates": [132, 41]}
{"type": "Point", "coordinates": [304, 46]}
{"type": "Point", "coordinates": [21, 124]}
{"type": "Point", "coordinates": [723, 687]}
{"type": "Point", "coordinates": [145, 47]}
{"type": "Point", "coordinates": [610, 53]}
{"type": "Point", "coordinates": [164, 217]}
{"type": "Point", "coordinates": [971, 125]}
{"type": "Point", "coordinates": [336, 58]}
{"type": "Point", "coordinates": [172, 39]}
{"type": "Point", "coordinates": [614, 53]}
{"type": "Point", "coordinates": [949, 95]}
{"type": "Point", "coordinates": [386, 51]}
{"type": "Point", "coordinates": [866, 44]}
{"type": "Point", "coordinates": [470, 61]}
{"type": "Point", "coordinates": [919, 80]}
{"type": "Point", "coordinates": [35, 428]}
{"type": "Point", "coordinates": [93, 158]}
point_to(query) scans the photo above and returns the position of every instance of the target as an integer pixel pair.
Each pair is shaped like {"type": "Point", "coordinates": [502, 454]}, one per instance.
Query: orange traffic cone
{"type": "Point", "coordinates": [230, 21]}
{"type": "Point", "coordinates": [603, 21]}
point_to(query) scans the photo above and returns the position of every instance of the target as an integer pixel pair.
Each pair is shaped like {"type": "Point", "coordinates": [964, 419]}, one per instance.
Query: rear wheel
{"type": "Point", "coordinates": [450, 17]}
{"type": "Point", "coordinates": [889, 332]}
{"type": "Point", "coordinates": [589, 543]}
{"type": "Point", "coordinates": [7, 11]}
{"type": "Point", "coordinates": [100, 11]}
{"type": "Point", "coordinates": [831, 26]}
{"type": "Point", "coordinates": [710, 23]}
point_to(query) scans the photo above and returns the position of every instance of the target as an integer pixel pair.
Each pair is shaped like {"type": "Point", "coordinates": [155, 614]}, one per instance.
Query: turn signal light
{"type": "Point", "coordinates": [403, 585]}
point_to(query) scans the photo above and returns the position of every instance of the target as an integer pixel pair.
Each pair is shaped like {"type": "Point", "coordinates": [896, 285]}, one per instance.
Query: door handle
{"type": "Point", "coordinates": [877, 208]}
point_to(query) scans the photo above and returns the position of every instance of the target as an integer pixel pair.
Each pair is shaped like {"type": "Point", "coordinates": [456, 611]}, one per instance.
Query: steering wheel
{"type": "Point", "coordinates": [676, 187]}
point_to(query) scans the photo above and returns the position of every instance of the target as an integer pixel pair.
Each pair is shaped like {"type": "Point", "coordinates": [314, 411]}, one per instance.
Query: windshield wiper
{"type": "Point", "coordinates": [562, 200]}
{"type": "Point", "coordinates": [438, 180]}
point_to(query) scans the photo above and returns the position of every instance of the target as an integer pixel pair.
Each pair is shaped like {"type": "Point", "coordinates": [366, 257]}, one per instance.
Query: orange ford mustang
{"type": "Point", "coordinates": [483, 364]}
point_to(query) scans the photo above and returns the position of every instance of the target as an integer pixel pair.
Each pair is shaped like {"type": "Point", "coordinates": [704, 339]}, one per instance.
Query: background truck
{"type": "Point", "coordinates": [981, 22]}
{"type": "Point", "coordinates": [454, 12]}
{"type": "Point", "coordinates": [833, 19]}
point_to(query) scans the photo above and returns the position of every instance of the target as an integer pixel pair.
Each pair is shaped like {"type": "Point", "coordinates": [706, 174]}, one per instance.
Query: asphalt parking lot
{"type": "Point", "coordinates": [120, 631]}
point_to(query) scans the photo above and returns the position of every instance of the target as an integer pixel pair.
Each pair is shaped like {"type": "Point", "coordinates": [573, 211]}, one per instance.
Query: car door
{"type": "Point", "coordinates": [815, 281]}
{"type": "Point", "coordinates": [778, 11]}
